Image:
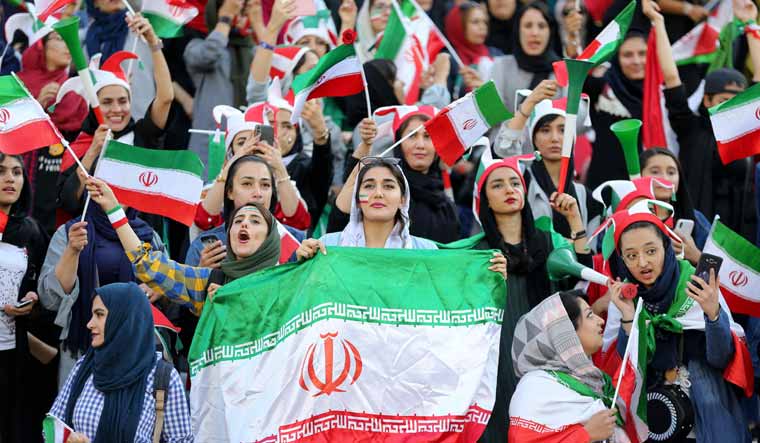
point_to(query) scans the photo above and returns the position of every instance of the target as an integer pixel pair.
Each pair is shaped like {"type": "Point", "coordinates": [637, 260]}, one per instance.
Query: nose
{"type": "Point", "coordinates": [642, 261]}
{"type": "Point", "coordinates": [90, 324]}
{"type": "Point", "coordinates": [557, 135]}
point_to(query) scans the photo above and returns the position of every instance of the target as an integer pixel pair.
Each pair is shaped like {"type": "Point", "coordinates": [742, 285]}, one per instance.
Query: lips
{"type": "Point", "coordinates": [511, 201]}
{"type": "Point", "coordinates": [243, 237]}
{"type": "Point", "coordinates": [9, 189]}
{"type": "Point", "coordinates": [377, 205]}
{"type": "Point", "coordinates": [646, 274]}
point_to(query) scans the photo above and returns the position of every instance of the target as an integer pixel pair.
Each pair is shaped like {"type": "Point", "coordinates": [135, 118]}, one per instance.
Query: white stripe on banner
{"type": "Point", "coordinates": [736, 122]}
{"type": "Point", "coordinates": [172, 183]}
{"type": "Point", "coordinates": [344, 67]}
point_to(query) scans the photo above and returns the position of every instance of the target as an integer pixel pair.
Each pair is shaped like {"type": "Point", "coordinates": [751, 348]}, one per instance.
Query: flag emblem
{"type": "Point", "coordinates": [738, 278]}
{"type": "Point", "coordinates": [469, 124]}
{"type": "Point", "coordinates": [148, 178]}
{"type": "Point", "coordinates": [330, 384]}
{"type": "Point", "coordinates": [757, 113]}
{"type": "Point", "coordinates": [5, 115]}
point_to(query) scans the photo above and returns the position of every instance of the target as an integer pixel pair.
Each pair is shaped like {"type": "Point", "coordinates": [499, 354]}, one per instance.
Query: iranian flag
{"type": "Point", "coordinates": [460, 124]}
{"type": "Point", "coordinates": [3, 223]}
{"type": "Point", "coordinates": [402, 45]}
{"type": "Point", "coordinates": [288, 243]}
{"type": "Point", "coordinates": [740, 271]}
{"type": "Point", "coordinates": [343, 353]}
{"type": "Point", "coordinates": [632, 399]}
{"type": "Point", "coordinates": [338, 74]}
{"type": "Point", "coordinates": [166, 183]}
{"type": "Point", "coordinates": [168, 18]}
{"type": "Point", "coordinates": [55, 430]}
{"type": "Point", "coordinates": [24, 125]}
{"type": "Point", "coordinates": [736, 125]}
{"type": "Point", "coordinates": [696, 46]}
{"type": "Point", "coordinates": [284, 59]}
{"type": "Point", "coordinates": [46, 8]}
{"type": "Point", "coordinates": [604, 45]}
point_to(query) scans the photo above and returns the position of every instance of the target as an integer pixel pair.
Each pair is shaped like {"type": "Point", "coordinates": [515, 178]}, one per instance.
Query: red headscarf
{"type": "Point", "coordinates": [71, 112]}
{"type": "Point", "coordinates": [469, 53]}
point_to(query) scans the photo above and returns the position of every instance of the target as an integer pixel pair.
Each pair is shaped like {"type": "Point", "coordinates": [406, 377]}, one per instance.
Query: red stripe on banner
{"type": "Point", "coordinates": [739, 370]}
{"type": "Point", "coordinates": [590, 50]}
{"type": "Point", "coordinates": [30, 136]}
{"type": "Point", "coordinates": [527, 431]}
{"type": "Point", "coordinates": [740, 305]}
{"type": "Point", "coordinates": [740, 147]}
{"type": "Point", "coordinates": [341, 86]}
{"type": "Point", "coordinates": [445, 138]}
{"type": "Point", "coordinates": [276, 73]}
{"type": "Point", "coordinates": [183, 212]}
{"type": "Point", "coordinates": [413, 94]}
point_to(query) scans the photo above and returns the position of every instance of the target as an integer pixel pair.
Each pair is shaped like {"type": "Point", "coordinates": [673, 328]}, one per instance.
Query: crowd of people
{"type": "Point", "coordinates": [82, 285]}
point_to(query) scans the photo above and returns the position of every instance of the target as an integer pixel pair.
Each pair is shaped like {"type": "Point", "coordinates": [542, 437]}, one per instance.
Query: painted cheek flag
{"type": "Point", "coordinates": [168, 18]}
{"type": "Point", "coordinates": [736, 125]}
{"type": "Point", "coordinates": [54, 430]}
{"type": "Point", "coordinates": [344, 354]}
{"type": "Point", "coordinates": [24, 125]}
{"type": "Point", "coordinates": [696, 46]}
{"type": "Point", "coordinates": [166, 183]}
{"type": "Point", "coordinates": [338, 74]}
{"type": "Point", "coordinates": [463, 122]}
{"type": "Point", "coordinates": [740, 271]}
{"type": "Point", "coordinates": [604, 46]}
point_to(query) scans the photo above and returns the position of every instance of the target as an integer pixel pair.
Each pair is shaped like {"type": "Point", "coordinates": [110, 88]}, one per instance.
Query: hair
{"type": "Point", "coordinates": [570, 303]}
{"type": "Point", "coordinates": [264, 213]}
{"type": "Point", "coordinates": [397, 174]}
{"type": "Point", "coordinates": [466, 9]}
{"type": "Point", "coordinates": [18, 158]}
{"type": "Point", "coordinates": [402, 128]}
{"type": "Point", "coordinates": [646, 225]}
{"type": "Point", "coordinates": [386, 68]}
{"type": "Point", "coordinates": [543, 121]}
{"type": "Point", "coordinates": [543, 9]}
{"type": "Point", "coordinates": [233, 172]}
{"type": "Point", "coordinates": [302, 60]}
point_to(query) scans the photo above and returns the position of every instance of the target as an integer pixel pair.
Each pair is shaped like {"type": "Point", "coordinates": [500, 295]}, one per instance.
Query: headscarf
{"type": "Point", "coordinates": [380, 75]}
{"type": "Point", "coordinates": [400, 238]}
{"type": "Point", "coordinates": [629, 92]}
{"type": "Point", "coordinates": [99, 230]}
{"type": "Point", "coordinates": [468, 52]}
{"type": "Point", "coordinates": [266, 256]}
{"type": "Point", "coordinates": [72, 110]}
{"type": "Point", "coordinates": [240, 48]}
{"type": "Point", "coordinates": [500, 32]}
{"type": "Point", "coordinates": [545, 339]}
{"type": "Point", "coordinates": [107, 33]}
{"type": "Point", "coordinates": [682, 205]}
{"type": "Point", "coordinates": [539, 65]}
{"type": "Point", "coordinates": [121, 365]}
{"type": "Point", "coordinates": [366, 37]}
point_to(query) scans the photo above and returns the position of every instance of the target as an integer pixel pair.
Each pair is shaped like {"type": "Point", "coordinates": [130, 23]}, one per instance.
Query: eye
{"type": "Point", "coordinates": [651, 251]}
{"type": "Point", "coordinates": [266, 185]}
{"type": "Point", "coordinates": [389, 187]}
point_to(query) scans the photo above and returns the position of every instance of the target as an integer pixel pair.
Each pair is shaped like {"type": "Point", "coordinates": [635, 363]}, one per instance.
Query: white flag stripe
{"type": "Point", "coordinates": [609, 34]}
{"type": "Point", "coordinates": [346, 67]}
{"type": "Point", "coordinates": [172, 183]}
{"type": "Point", "coordinates": [734, 276]}
{"type": "Point", "coordinates": [173, 13]}
{"type": "Point", "coordinates": [19, 113]}
{"type": "Point", "coordinates": [468, 123]}
{"type": "Point", "coordinates": [736, 122]}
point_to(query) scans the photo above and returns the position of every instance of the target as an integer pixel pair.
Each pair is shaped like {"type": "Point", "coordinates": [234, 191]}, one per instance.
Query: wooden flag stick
{"type": "Point", "coordinates": [100, 157]}
{"type": "Point", "coordinates": [627, 351]}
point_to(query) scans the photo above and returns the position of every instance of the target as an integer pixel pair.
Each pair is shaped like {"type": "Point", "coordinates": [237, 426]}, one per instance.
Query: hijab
{"type": "Point", "coordinates": [682, 204]}
{"type": "Point", "coordinates": [99, 231]}
{"type": "Point", "coordinates": [107, 33]}
{"type": "Point", "coordinates": [539, 65]}
{"type": "Point", "coordinates": [455, 30]}
{"type": "Point", "coordinates": [72, 110]}
{"type": "Point", "coordinates": [121, 365]}
{"type": "Point", "coordinates": [380, 75]}
{"type": "Point", "coordinates": [366, 37]}
{"type": "Point", "coordinates": [629, 92]}
{"type": "Point", "coordinates": [500, 32]}
{"type": "Point", "coordinates": [266, 256]}
{"type": "Point", "coordinates": [545, 339]}
{"type": "Point", "coordinates": [240, 48]}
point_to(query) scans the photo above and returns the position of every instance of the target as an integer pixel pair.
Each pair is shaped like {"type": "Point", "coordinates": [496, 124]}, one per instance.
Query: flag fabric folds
{"type": "Point", "coordinates": [736, 125]}
{"type": "Point", "coordinates": [24, 125]}
{"type": "Point", "coordinates": [168, 17]}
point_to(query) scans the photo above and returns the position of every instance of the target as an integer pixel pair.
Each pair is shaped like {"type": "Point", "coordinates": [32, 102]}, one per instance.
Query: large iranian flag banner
{"type": "Point", "coordinates": [356, 345]}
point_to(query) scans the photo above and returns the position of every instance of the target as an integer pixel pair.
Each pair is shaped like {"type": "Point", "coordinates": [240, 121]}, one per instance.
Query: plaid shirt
{"type": "Point", "coordinates": [183, 284]}
{"type": "Point", "coordinates": [89, 405]}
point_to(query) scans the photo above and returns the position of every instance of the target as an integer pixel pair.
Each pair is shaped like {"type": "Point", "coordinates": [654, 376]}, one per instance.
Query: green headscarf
{"type": "Point", "coordinates": [241, 54]}
{"type": "Point", "coordinates": [266, 256]}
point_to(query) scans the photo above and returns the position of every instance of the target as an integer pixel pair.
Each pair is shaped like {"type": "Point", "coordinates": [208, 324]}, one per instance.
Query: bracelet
{"type": "Point", "coordinates": [578, 235]}
{"type": "Point", "coordinates": [226, 19]}
{"type": "Point", "coordinates": [158, 46]}
{"type": "Point", "coordinates": [284, 179]}
{"type": "Point", "coordinates": [625, 322]}
{"type": "Point", "coordinates": [266, 45]}
{"type": "Point", "coordinates": [324, 135]}
{"type": "Point", "coordinates": [520, 111]}
{"type": "Point", "coordinates": [117, 217]}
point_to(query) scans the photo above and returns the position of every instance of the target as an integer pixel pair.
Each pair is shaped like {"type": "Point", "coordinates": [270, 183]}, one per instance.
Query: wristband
{"type": "Point", "coordinates": [117, 217]}
{"type": "Point", "coordinates": [578, 235]}
{"type": "Point", "coordinates": [625, 322]}
{"type": "Point", "coordinates": [519, 110]}
{"type": "Point", "coordinates": [284, 179]}
{"type": "Point", "coordinates": [226, 19]}
{"type": "Point", "coordinates": [158, 46]}
{"type": "Point", "coordinates": [266, 45]}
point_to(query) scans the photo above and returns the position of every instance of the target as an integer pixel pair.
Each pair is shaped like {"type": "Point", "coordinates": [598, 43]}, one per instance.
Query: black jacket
{"type": "Point", "coordinates": [313, 176]}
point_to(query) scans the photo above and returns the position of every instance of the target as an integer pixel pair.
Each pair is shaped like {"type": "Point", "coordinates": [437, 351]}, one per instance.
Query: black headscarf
{"type": "Point", "coordinates": [629, 92]}
{"type": "Point", "coordinates": [539, 65]}
{"type": "Point", "coordinates": [380, 76]}
{"type": "Point", "coordinates": [500, 32]}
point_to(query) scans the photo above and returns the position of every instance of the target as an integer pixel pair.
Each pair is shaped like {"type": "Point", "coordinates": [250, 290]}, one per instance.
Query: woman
{"type": "Point", "coordinates": [501, 14]}
{"type": "Point", "coordinates": [508, 226]}
{"type": "Point", "coordinates": [109, 395]}
{"type": "Point", "coordinates": [370, 23]}
{"type": "Point", "coordinates": [695, 340]}
{"type": "Point", "coordinates": [615, 94]}
{"type": "Point", "coordinates": [467, 28]}
{"type": "Point", "coordinates": [253, 239]}
{"type": "Point", "coordinates": [561, 396]}
{"type": "Point", "coordinates": [26, 385]}
{"type": "Point", "coordinates": [546, 127]}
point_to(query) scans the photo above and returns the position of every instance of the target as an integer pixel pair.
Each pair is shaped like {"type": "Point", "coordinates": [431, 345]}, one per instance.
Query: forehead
{"type": "Point", "coordinates": [532, 15]}
{"type": "Point", "coordinates": [253, 169]}
{"type": "Point", "coordinates": [637, 238]}
{"type": "Point", "coordinates": [283, 115]}
{"type": "Point", "coordinates": [662, 161]}
{"type": "Point", "coordinates": [113, 92]}
{"type": "Point", "coordinates": [97, 303]}
{"type": "Point", "coordinates": [248, 211]}
{"type": "Point", "coordinates": [379, 173]}
{"type": "Point", "coordinates": [633, 44]}
{"type": "Point", "coordinates": [10, 162]}
{"type": "Point", "coordinates": [503, 173]}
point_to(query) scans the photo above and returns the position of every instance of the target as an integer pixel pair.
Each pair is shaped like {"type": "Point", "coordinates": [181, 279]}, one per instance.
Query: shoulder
{"type": "Point", "coordinates": [422, 243]}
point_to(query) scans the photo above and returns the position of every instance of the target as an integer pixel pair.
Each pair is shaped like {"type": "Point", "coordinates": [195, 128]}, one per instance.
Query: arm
{"type": "Point", "coordinates": [664, 52]}
{"type": "Point", "coordinates": [719, 342]}
{"type": "Point", "coordinates": [437, 93]}
{"type": "Point", "coordinates": [262, 60]}
{"type": "Point", "coordinates": [320, 168]}
{"type": "Point", "coordinates": [66, 269]}
{"type": "Point", "coordinates": [52, 294]}
{"type": "Point", "coordinates": [746, 12]}
{"type": "Point", "coordinates": [177, 427]}
{"type": "Point", "coordinates": [675, 7]}
{"type": "Point", "coordinates": [202, 55]}
{"type": "Point", "coordinates": [368, 131]}
{"type": "Point", "coordinates": [347, 12]}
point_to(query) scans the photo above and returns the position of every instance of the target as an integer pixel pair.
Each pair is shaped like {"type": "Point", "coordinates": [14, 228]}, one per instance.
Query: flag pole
{"type": "Point", "coordinates": [443, 38]}
{"type": "Point", "coordinates": [201, 131]}
{"type": "Point", "coordinates": [627, 351]}
{"type": "Point", "coordinates": [390, 149]}
{"type": "Point", "coordinates": [364, 80]}
{"type": "Point", "coordinates": [100, 157]}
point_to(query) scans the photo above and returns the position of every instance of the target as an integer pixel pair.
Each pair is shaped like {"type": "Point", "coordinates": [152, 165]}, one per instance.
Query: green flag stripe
{"type": "Point", "coordinates": [490, 105]}
{"type": "Point", "coordinates": [186, 161]}
{"type": "Point", "coordinates": [697, 59]}
{"type": "Point", "coordinates": [736, 247]}
{"type": "Point", "coordinates": [330, 59]}
{"type": "Point", "coordinates": [164, 26]}
{"type": "Point", "coordinates": [624, 22]}
{"type": "Point", "coordinates": [10, 90]}
{"type": "Point", "coordinates": [394, 34]}
{"type": "Point", "coordinates": [48, 429]}
{"type": "Point", "coordinates": [749, 95]}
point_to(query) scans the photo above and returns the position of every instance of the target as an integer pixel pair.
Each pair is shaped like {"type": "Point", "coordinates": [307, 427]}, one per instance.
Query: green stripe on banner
{"type": "Point", "coordinates": [186, 161]}
{"type": "Point", "coordinates": [10, 90]}
{"type": "Point", "coordinates": [490, 105]}
{"type": "Point", "coordinates": [330, 59]}
{"type": "Point", "coordinates": [164, 27]}
{"type": "Point", "coordinates": [736, 246]}
{"type": "Point", "coordinates": [749, 95]}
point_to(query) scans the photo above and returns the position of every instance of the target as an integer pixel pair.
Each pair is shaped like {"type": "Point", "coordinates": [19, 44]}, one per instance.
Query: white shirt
{"type": "Point", "coordinates": [13, 262]}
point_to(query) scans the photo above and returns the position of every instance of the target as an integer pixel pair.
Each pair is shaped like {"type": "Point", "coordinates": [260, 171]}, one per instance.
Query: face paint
{"type": "Point", "coordinates": [363, 198]}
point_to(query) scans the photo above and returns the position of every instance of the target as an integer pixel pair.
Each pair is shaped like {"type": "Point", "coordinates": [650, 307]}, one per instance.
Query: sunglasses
{"type": "Point", "coordinates": [374, 161]}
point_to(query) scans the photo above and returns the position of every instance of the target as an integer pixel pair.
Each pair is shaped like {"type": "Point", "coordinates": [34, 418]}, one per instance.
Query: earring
{"type": "Point", "coordinates": [290, 139]}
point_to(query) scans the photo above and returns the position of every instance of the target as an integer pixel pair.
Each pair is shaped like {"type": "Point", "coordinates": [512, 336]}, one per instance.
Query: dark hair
{"type": "Point", "coordinates": [571, 305]}
{"type": "Point", "coordinates": [264, 213]}
{"type": "Point", "coordinates": [19, 158]}
{"type": "Point", "coordinates": [302, 60]}
{"type": "Point", "coordinates": [682, 206]}
{"type": "Point", "coordinates": [228, 204]}
{"type": "Point", "coordinates": [397, 174]}
{"type": "Point", "coordinates": [646, 225]}
{"type": "Point", "coordinates": [543, 121]}
{"type": "Point", "coordinates": [398, 134]}
{"type": "Point", "coordinates": [466, 9]}
{"type": "Point", "coordinates": [386, 68]}
{"type": "Point", "coordinates": [22, 206]}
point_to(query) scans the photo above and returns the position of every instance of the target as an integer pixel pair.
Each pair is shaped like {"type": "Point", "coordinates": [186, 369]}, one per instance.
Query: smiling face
{"type": "Point", "coordinates": [476, 26]}
{"type": "Point", "coordinates": [379, 194]}
{"type": "Point", "coordinates": [590, 328]}
{"type": "Point", "coordinates": [665, 167]}
{"type": "Point", "coordinates": [115, 106]}
{"type": "Point", "coordinates": [418, 149]}
{"type": "Point", "coordinates": [57, 55]}
{"type": "Point", "coordinates": [505, 191]}
{"type": "Point", "coordinates": [248, 231]}
{"type": "Point", "coordinates": [643, 254]}
{"type": "Point", "coordinates": [97, 323]}
{"type": "Point", "coordinates": [632, 57]}
{"type": "Point", "coordinates": [314, 43]}
{"type": "Point", "coordinates": [286, 132]}
{"type": "Point", "coordinates": [548, 139]}
{"type": "Point", "coordinates": [534, 32]}
{"type": "Point", "coordinates": [251, 183]}
{"type": "Point", "coordinates": [11, 181]}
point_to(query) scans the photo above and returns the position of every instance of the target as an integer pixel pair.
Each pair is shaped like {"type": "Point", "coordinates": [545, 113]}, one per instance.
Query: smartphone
{"type": "Point", "coordinates": [305, 8]}
{"type": "Point", "coordinates": [208, 239]}
{"type": "Point", "coordinates": [707, 262]}
{"type": "Point", "coordinates": [265, 134]}
{"type": "Point", "coordinates": [685, 225]}
{"type": "Point", "coordinates": [21, 304]}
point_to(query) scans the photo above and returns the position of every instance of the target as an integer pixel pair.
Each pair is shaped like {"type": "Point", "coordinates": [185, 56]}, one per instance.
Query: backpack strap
{"type": "Point", "coordinates": [161, 381]}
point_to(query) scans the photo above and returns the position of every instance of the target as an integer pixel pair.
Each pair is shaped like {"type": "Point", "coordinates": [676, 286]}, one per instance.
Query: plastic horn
{"type": "Point", "coordinates": [577, 70]}
{"type": "Point", "coordinates": [68, 29]}
{"type": "Point", "coordinates": [562, 263]}
{"type": "Point", "coordinates": [627, 131]}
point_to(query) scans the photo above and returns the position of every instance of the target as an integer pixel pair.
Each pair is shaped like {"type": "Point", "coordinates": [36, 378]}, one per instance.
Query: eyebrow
{"type": "Point", "coordinates": [98, 311]}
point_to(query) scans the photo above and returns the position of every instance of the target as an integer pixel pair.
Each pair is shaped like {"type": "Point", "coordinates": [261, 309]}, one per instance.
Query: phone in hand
{"type": "Point", "coordinates": [685, 225]}
{"type": "Point", "coordinates": [21, 304]}
{"type": "Point", "coordinates": [208, 239]}
{"type": "Point", "coordinates": [707, 262]}
{"type": "Point", "coordinates": [265, 134]}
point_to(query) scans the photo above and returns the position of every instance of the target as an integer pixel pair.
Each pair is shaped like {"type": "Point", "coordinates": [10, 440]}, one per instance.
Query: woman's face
{"type": "Point", "coordinates": [115, 106]}
{"type": "Point", "coordinates": [426, 5]}
{"type": "Point", "coordinates": [590, 329]}
{"type": "Point", "coordinates": [314, 43]}
{"type": "Point", "coordinates": [109, 6]}
{"type": "Point", "coordinates": [505, 192]}
{"type": "Point", "coordinates": [57, 55]}
{"type": "Point", "coordinates": [241, 139]}
{"type": "Point", "coordinates": [251, 183]}
{"type": "Point", "coordinates": [476, 26]}
{"type": "Point", "coordinates": [633, 57]}
{"type": "Point", "coordinates": [97, 323]}
{"type": "Point", "coordinates": [11, 181]}
{"type": "Point", "coordinates": [548, 139]}
{"type": "Point", "coordinates": [286, 132]}
{"type": "Point", "coordinates": [665, 167]}
{"type": "Point", "coordinates": [379, 12]}
{"type": "Point", "coordinates": [380, 196]}
{"type": "Point", "coordinates": [418, 149]}
{"type": "Point", "coordinates": [643, 254]}
{"type": "Point", "coordinates": [502, 9]}
{"type": "Point", "coordinates": [248, 231]}
{"type": "Point", "coordinates": [310, 61]}
{"type": "Point", "coordinates": [534, 32]}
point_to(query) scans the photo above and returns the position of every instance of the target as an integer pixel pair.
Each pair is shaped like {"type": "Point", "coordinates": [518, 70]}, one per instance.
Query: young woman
{"type": "Point", "coordinates": [109, 395]}
{"type": "Point", "coordinates": [696, 342]}
{"type": "Point", "coordinates": [370, 23]}
{"type": "Point", "coordinates": [561, 396]}
{"type": "Point", "coordinates": [501, 24]}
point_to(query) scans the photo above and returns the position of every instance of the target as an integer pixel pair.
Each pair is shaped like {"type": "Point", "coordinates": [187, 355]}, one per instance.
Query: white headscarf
{"type": "Point", "coordinates": [366, 37]}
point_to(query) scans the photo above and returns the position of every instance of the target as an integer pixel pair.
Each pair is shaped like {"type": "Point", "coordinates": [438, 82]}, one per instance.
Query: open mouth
{"type": "Point", "coordinates": [647, 274]}
{"type": "Point", "coordinates": [9, 189]}
{"type": "Point", "coordinates": [243, 237]}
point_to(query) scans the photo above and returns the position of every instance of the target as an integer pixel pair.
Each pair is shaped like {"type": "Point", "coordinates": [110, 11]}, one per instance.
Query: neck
{"type": "Point", "coordinates": [553, 167]}
{"type": "Point", "coordinates": [6, 209]}
{"type": "Point", "coordinates": [510, 227]}
{"type": "Point", "coordinates": [376, 233]}
{"type": "Point", "coordinates": [50, 66]}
